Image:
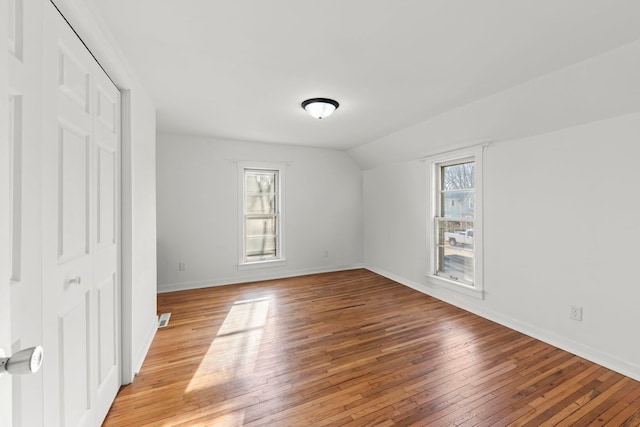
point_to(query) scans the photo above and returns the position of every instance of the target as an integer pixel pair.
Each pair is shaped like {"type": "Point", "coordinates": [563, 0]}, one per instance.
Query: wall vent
{"type": "Point", "coordinates": [164, 320]}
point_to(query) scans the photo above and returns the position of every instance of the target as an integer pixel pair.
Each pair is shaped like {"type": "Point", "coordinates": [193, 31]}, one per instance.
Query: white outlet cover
{"type": "Point", "coordinates": [576, 313]}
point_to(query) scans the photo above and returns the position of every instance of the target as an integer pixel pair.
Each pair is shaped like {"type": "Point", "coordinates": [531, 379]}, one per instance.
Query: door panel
{"type": "Point", "coordinates": [15, 147]}
{"type": "Point", "coordinates": [75, 356]}
{"type": "Point", "coordinates": [107, 344]}
{"type": "Point", "coordinates": [73, 194]}
{"type": "Point", "coordinates": [107, 107]}
{"type": "Point", "coordinates": [107, 169]}
{"type": "Point", "coordinates": [73, 77]}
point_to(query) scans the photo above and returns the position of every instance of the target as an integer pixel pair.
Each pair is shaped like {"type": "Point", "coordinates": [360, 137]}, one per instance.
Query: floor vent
{"type": "Point", "coordinates": [164, 320]}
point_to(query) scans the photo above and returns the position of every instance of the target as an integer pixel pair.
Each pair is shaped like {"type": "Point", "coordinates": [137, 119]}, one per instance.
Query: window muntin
{"type": "Point", "coordinates": [261, 237]}
{"type": "Point", "coordinates": [454, 221]}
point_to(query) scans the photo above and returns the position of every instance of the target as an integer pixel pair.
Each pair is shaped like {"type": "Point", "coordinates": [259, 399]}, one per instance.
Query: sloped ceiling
{"type": "Point", "coordinates": [240, 69]}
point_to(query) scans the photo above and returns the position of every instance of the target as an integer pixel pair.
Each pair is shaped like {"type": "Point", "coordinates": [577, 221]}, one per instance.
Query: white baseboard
{"type": "Point", "coordinates": [172, 287]}
{"type": "Point", "coordinates": [612, 362]}
{"type": "Point", "coordinates": [138, 360]}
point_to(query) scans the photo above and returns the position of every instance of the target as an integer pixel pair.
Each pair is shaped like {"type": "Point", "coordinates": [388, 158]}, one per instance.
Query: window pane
{"type": "Point", "coordinates": [261, 226]}
{"type": "Point", "coordinates": [458, 177]}
{"type": "Point", "coordinates": [455, 263]}
{"type": "Point", "coordinates": [455, 250]}
{"type": "Point", "coordinates": [454, 245]}
{"type": "Point", "coordinates": [455, 233]}
{"type": "Point", "coordinates": [260, 247]}
{"type": "Point", "coordinates": [458, 204]}
{"type": "Point", "coordinates": [260, 182]}
{"type": "Point", "coordinates": [261, 204]}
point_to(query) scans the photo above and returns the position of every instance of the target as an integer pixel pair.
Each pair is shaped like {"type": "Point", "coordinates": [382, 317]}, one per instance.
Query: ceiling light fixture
{"type": "Point", "coordinates": [320, 107]}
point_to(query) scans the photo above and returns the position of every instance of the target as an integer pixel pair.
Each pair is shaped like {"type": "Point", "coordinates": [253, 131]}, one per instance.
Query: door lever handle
{"type": "Point", "coordinates": [75, 280]}
{"type": "Point", "coordinates": [27, 361]}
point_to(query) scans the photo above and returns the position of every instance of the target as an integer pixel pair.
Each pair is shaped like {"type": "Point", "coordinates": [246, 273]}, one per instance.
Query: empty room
{"type": "Point", "coordinates": [338, 213]}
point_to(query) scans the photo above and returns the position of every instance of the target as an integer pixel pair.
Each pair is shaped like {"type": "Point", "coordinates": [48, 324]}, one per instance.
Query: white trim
{"type": "Point", "coordinates": [433, 280]}
{"type": "Point", "coordinates": [609, 361]}
{"type": "Point", "coordinates": [281, 251]}
{"type": "Point", "coordinates": [199, 284]}
{"type": "Point", "coordinates": [445, 152]}
{"type": "Point", "coordinates": [475, 153]}
{"type": "Point", "coordinates": [126, 241]}
{"type": "Point", "coordinates": [261, 164]}
{"type": "Point", "coordinates": [265, 263]}
{"type": "Point", "coordinates": [138, 360]}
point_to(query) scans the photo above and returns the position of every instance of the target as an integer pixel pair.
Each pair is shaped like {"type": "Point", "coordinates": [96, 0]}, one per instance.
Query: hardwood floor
{"type": "Point", "coordinates": [354, 348]}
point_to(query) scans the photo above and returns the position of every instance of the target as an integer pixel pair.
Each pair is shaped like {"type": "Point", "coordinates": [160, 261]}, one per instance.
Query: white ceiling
{"type": "Point", "coordinates": [239, 69]}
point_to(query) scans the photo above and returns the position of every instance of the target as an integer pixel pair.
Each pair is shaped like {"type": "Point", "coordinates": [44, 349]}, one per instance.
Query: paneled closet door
{"type": "Point", "coordinates": [81, 231]}
{"type": "Point", "coordinates": [25, 138]}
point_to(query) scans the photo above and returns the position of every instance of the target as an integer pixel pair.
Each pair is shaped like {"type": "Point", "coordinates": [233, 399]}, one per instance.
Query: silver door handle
{"type": "Point", "coordinates": [26, 361]}
{"type": "Point", "coordinates": [75, 280]}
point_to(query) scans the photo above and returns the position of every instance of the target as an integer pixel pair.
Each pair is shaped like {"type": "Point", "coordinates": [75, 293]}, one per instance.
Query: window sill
{"type": "Point", "coordinates": [438, 281]}
{"type": "Point", "coordinates": [262, 264]}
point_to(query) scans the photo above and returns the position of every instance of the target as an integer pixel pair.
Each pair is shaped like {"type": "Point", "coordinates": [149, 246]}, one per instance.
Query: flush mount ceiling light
{"type": "Point", "coordinates": [320, 107]}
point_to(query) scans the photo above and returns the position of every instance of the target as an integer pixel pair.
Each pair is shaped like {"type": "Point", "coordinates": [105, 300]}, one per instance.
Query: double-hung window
{"type": "Point", "coordinates": [457, 221]}
{"type": "Point", "coordinates": [262, 216]}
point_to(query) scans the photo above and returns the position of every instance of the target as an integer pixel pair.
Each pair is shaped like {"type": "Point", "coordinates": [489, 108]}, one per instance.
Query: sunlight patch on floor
{"type": "Point", "coordinates": [233, 352]}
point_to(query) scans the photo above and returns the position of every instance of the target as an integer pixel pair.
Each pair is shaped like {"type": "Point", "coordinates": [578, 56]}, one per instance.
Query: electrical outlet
{"type": "Point", "coordinates": [181, 266]}
{"type": "Point", "coordinates": [576, 313]}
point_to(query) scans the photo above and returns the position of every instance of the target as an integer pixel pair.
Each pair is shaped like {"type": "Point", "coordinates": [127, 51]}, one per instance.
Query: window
{"type": "Point", "coordinates": [456, 219]}
{"type": "Point", "coordinates": [262, 216]}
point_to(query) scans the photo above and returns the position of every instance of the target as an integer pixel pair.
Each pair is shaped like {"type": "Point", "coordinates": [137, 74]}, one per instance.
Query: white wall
{"type": "Point", "coordinates": [198, 210]}
{"type": "Point", "coordinates": [561, 211]}
{"type": "Point", "coordinates": [561, 229]}
{"type": "Point", "coordinates": [144, 275]}
{"type": "Point", "coordinates": [139, 281]}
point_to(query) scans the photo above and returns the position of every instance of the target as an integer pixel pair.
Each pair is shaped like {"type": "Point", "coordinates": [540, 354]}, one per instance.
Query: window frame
{"type": "Point", "coordinates": [435, 163]}
{"type": "Point", "coordinates": [280, 257]}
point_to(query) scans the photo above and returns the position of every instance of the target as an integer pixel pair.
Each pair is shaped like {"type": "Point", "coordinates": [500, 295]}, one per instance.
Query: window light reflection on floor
{"type": "Point", "coordinates": [233, 352]}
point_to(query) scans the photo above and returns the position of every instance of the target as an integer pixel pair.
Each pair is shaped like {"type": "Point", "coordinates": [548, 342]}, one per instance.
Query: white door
{"type": "Point", "coordinates": [25, 139]}
{"type": "Point", "coordinates": [5, 233]}
{"type": "Point", "coordinates": [81, 110]}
